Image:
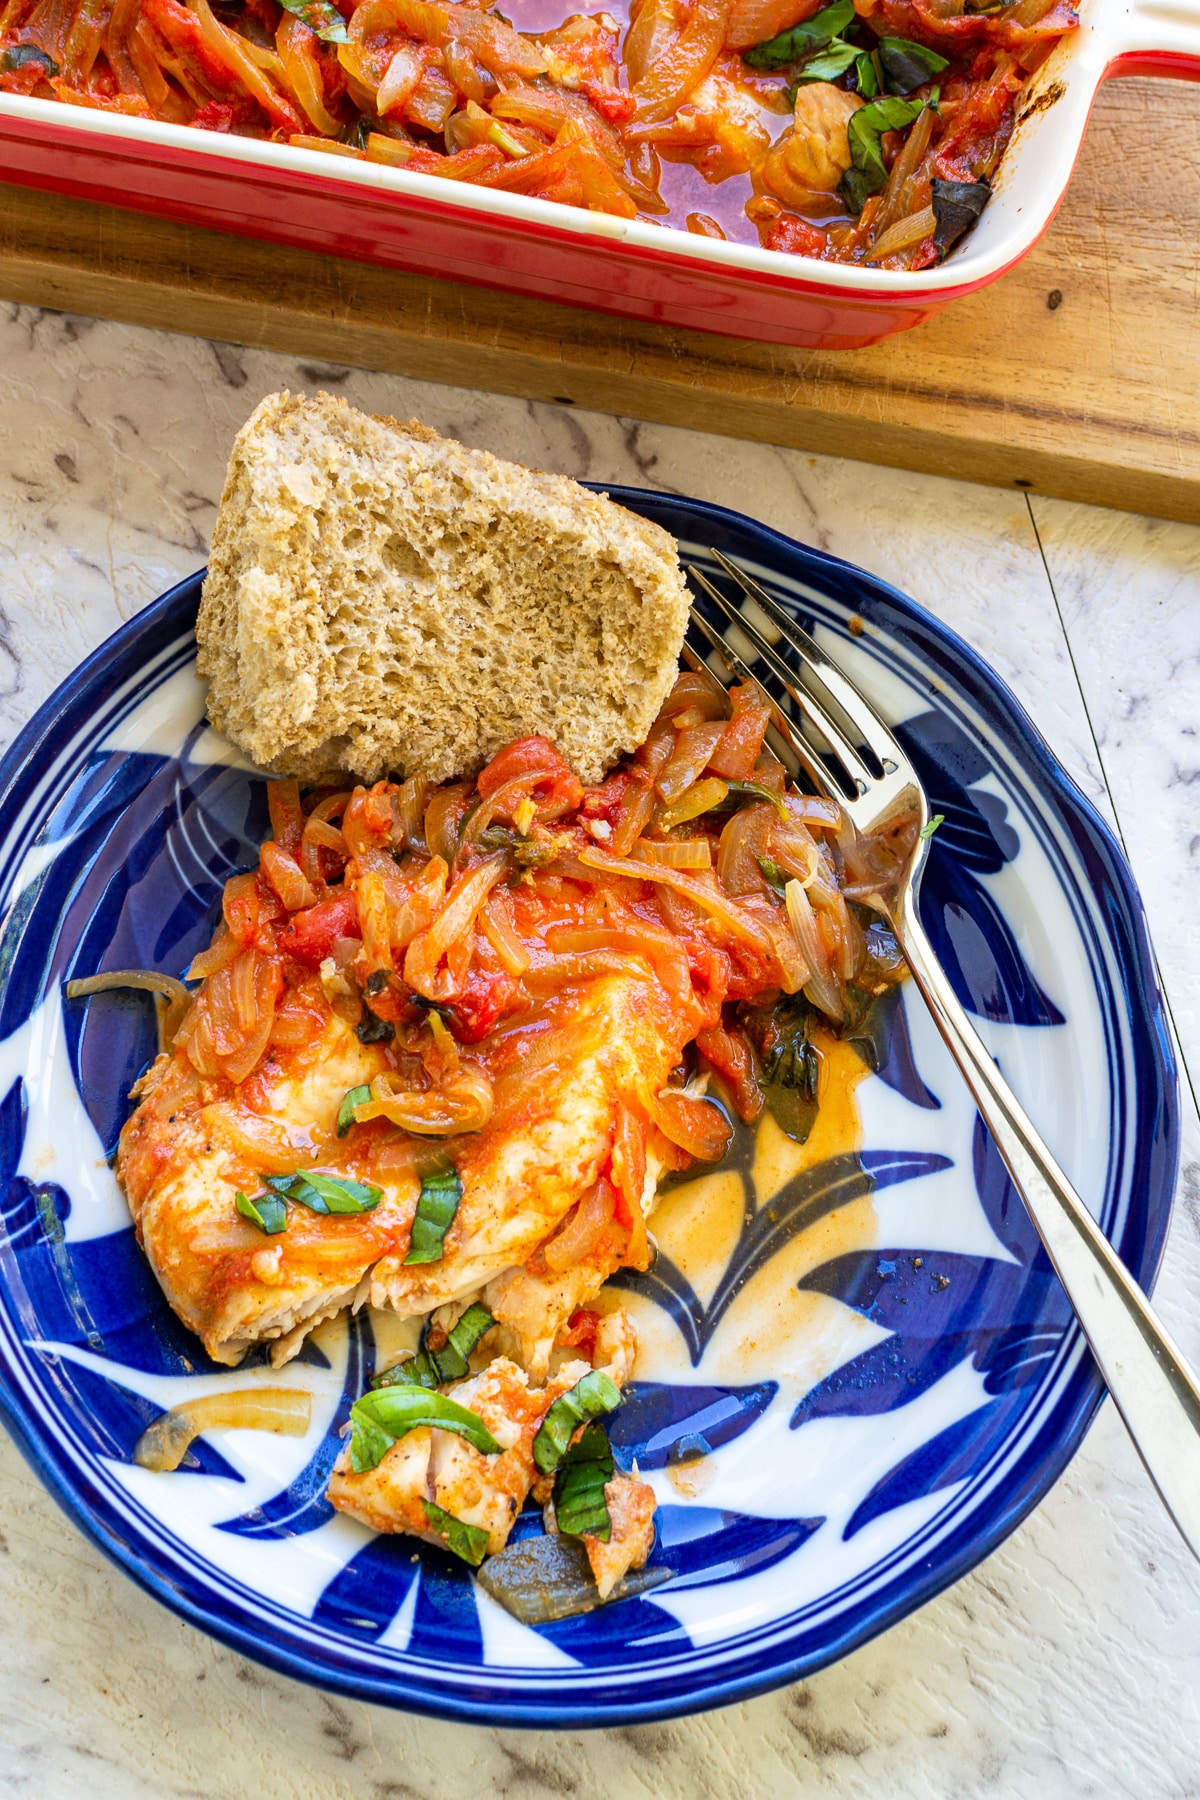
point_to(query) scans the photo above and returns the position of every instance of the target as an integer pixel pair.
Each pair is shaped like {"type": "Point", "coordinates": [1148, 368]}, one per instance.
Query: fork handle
{"type": "Point", "coordinates": [1156, 1393]}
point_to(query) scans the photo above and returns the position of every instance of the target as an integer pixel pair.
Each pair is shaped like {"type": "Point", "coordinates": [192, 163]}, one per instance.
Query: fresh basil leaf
{"type": "Point", "coordinates": [927, 831]}
{"type": "Point", "coordinates": [579, 1502]}
{"type": "Point", "coordinates": [436, 1207]}
{"type": "Point", "coordinates": [829, 64]}
{"type": "Point", "coordinates": [19, 56]}
{"type": "Point", "coordinates": [369, 1443]}
{"type": "Point", "coordinates": [431, 1368]}
{"type": "Point", "coordinates": [754, 790]}
{"type": "Point", "coordinates": [267, 1211]}
{"type": "Point", "coordinates": [391, 1413]}
{"type": "Point", "coordinates": [326, 1193]}
{"type": "Point", "coordinates": [357, 1096]}
{"type": "Point", "coordinates": [595, 1394]}
{"type": "Point", "coordinates": [322, 17]}
{"type": "Point", "coordinates": [866, 75]}
{"type": "Point", "coordinates": [468, 1541]}
{"type": "Point", "coordinates": [907, 65]}
{"type": "Point", "coordinates": [801, 40]}
{"type": "Point", "coordinates": [956, 206]}
{"type": "Point", "coordinates": [868, 174]}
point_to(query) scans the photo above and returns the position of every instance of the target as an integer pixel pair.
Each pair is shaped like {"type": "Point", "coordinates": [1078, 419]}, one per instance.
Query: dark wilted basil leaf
{"type": "Point", "coordinates": [579, 1503]}
{"type": "Point", "coordinates": [468, 1541]}
{"type": "Point", "coordinates": [436, 1207]}
{"type": "Point", "coordinates": [790, 1072]}
{"type": "Point", "coordinates": [956, 206]}
{"type": "Point", "coordinates": [19, 56]}
{"type": "Point", "coordinates": [322, 17]}
{"type": "Point", "coordinates": [772, 874]}
{"type": "Point", "coordinates": [753, 790]}
{"type": "Point", "coordinates": [267, 1211]}
{"type": "Point", "coordinates": [541, 1579]}
{"type": "Point", "coordinates": [867, 126]}
{"type": "Point", "coordinates": [907, 65]}
{"type": "Point", "coordinates": [357, 1096]}
{"type": "Point", "coordinates": [594, 1395]}
{"type": "Point", "coordinates": [371, 1029]}
{"type": "Point", "coordinates": [794, 45]}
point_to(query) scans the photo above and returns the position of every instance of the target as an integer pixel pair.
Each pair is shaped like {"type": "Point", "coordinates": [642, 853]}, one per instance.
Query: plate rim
{"type": "Point", "coordinates": [964, 1547]}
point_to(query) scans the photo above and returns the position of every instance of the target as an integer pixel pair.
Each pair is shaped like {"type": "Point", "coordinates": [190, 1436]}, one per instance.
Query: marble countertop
{"type": "Point", "coordinates": [1068, 1664]}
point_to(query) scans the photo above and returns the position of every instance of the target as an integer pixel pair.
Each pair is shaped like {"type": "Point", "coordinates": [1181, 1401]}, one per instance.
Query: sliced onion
{"type": "Point", "coordinates": [820, 987]}
{"type": "Point", "coordinates": [745, 838]}
{"type": "Point", "coordinates": [464, 1103]}
{"type": "Point", "coordinates": [675, 853]}
{"type": "Point", "coordinates": [705, 895]}
{"type": "Point", "coordinates": [689, 758]}
{"type": "Point", "coordinates": [287, 1411]}
{"type": "Point", "coordinates": [584, 1226]}
{"type": "Point", "coordinates": [286, 876]}
{"type": "Point", "coordinates": [148, 981]}
{"type": "Point", "coordinates": [697, 1126]}
{"type": "Point", "coordinates": [700, 798]}
{"type": "Point", "coordinates": [500, 932]}
{"type": "Point", "coordinates": [455, 920]}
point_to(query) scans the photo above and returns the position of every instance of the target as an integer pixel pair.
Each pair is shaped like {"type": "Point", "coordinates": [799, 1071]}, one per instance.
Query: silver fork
{"type": "Point", "coordinates": [1156, 1393]}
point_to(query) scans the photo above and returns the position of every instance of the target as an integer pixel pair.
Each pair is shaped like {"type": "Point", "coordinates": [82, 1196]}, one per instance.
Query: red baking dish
{"type": "Point", "coordinates": [362, 210]}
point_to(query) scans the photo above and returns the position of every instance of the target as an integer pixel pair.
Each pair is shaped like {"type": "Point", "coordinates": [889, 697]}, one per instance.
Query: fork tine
{"type": "Point", "coordinates": [860, 776]}
{"type": "Point", "coordinates": [875, 733]}
{"type": "Point", "coordinates": [816, 770]}
{"type": "Point", "coordinates": [781, 748]}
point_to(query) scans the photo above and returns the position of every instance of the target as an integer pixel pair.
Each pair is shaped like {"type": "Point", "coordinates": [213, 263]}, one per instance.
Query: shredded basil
{"type": "Point", "coordinates": [867, 126]}
{"type": "Point", "coordinates": [907, 65]}
{"type": "Point", "coordinates": [866, 74]}
{"type": "Point", "coordinates": [579, 1502]}
{"type": "Point", "coordinates": [468, 1541]}
{"type": "Point", "coordinates": [357, 1096]}
{"type": "Point", "coordinates": [267, 1211]}
{"type": "Point", "coordinates": [436, 1207]}
{"type": "Point", "coordinates": [388, 1414]}
{"type": "Point", "coordinates": [772, 874]}
{"type": "Point", "coordinates": [326, 1193]}
{"type": "Point", "coordinates": [800, 42]}
{"type": "Point", "coordinates": [594, 1395]}
{"type": "Point", "coordinates": [831, 63]}
{"type": "Point", "coordinates": [431, 1368]}
{"type": "Point", "coordinates": [19, 56]}
{"type": "Point", "coordinates": [371, 1029]}
{"type": "Point", "coordinates": [322, 17]}
{"type": "Point", "coordinates": [754, 790]}
{"type": "Point", "coordinates": [927, 831]}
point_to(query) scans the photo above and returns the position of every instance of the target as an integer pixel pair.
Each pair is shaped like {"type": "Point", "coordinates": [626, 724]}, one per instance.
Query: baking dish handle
{"type": "Point", "coordinates": [1159, 37]}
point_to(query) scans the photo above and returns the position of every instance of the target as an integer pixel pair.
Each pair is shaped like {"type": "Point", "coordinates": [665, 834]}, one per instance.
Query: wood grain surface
{"type": "Point", "coordinates": [1078, 374]}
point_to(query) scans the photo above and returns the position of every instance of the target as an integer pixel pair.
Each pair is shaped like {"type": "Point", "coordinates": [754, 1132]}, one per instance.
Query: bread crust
{"type": "Point", "coordinates": [384, 600]}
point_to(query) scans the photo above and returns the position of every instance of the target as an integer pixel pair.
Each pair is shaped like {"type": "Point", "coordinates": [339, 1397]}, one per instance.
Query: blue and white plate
{"type": "Point", "coordinates": [857, 1374]}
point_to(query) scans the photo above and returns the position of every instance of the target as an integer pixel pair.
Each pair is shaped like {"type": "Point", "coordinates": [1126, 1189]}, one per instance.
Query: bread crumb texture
{"type": "Point", "coordinates": [383, 600]}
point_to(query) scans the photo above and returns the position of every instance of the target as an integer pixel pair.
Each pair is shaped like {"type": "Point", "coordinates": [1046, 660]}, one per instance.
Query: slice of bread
{"type": "Point", "coordinates": [383, 600]}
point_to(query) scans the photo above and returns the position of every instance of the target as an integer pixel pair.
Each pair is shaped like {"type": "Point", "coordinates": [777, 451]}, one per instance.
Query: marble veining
{"type": "Point", "coordinates": [1067, 1664]}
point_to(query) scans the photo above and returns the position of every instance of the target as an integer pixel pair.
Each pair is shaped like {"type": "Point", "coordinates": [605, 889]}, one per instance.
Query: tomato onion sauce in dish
{"type": "Point", "coordinates": [860, 131]}
{"type": "Point", "coordinates": [446, 1042]}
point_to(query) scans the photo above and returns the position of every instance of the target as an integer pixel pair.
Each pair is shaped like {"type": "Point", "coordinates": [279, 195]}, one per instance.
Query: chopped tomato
{"type": "Point", "coordinates": [310, 936]}
{"type": "Point", "coordinates": [742, 740]}
{"type": "Point", "coordinates": [535, 760]}
{"type": "Point", "coordinates": [581, 1331]}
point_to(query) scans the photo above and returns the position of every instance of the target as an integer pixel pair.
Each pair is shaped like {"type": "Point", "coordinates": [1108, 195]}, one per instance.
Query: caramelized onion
{"type": "Point", "coordinates": [675, 853]}
{"type": "Point", "coordinates": [745, 838]}
{"type": "Point", "coordinates": [287, 1411]}
{"type": "Point", "coordinates": [583, 1227]}
{"type": "Point", "coordinates": [706, 895]}
{"type": "Point", "coordinates": [148, 981]}
{"type": "Point", "coordinates": [463, 1103]}
{"type": "Point", "coordinates": [286, 876]}
{"type": "Point", "coordinates": [820, 987]}
{"type": "Point", "coordinates": [501, 934]}
{"type": "Point", "coordinates": [697, 1126]}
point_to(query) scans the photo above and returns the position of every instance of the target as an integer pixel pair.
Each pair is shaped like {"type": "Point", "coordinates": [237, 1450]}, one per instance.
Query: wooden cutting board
{"type": "Point", "coordinates": [1078, 374]}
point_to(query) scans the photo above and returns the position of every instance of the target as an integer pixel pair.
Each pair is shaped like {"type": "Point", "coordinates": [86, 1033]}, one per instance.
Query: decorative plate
{"type": "Point", "coordinates": [858, 1372]}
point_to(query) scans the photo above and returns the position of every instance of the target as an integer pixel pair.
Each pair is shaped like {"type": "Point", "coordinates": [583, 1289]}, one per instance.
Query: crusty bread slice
{"type": "Point", "coordinates": [386, 601]}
